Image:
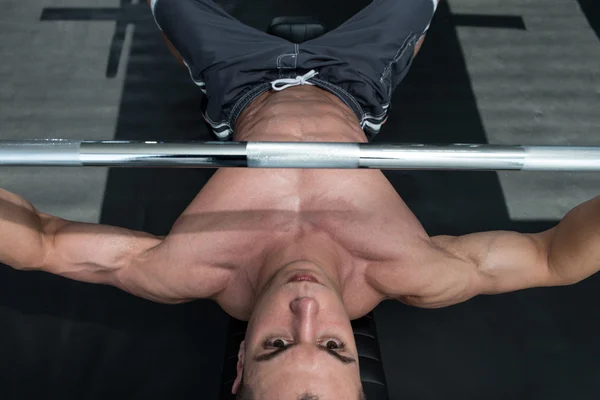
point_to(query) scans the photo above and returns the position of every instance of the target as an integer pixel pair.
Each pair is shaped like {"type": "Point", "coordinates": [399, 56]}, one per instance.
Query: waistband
{"type": "Point", "coordinates": [283, 83]}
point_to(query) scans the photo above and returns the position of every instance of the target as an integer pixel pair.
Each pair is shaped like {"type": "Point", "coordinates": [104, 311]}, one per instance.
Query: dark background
{"type": "Point", "coordinates": [69, 340]}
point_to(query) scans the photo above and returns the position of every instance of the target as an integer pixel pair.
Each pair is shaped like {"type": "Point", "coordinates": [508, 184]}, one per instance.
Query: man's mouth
{"type": "Point", "coordinates": [303, 278]}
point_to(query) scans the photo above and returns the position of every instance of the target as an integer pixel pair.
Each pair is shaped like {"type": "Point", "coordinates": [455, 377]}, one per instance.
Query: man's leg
{"type": "Point", "coordinates": [382, 39]}
{"type": "Point", "coordinates": [172, 48]}
{"type": "Point", "coordinates": [370, 54]}
{"type": "Point", "coordinates": [420, 42]}
{"type": "Point", "coordinates": [201, 33]}
{"type": "Point", "coordinates": [228, 60]}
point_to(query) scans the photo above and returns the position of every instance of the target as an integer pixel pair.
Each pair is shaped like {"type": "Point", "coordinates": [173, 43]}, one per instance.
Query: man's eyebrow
{"type": "Point", "coordinates": [273, 354]}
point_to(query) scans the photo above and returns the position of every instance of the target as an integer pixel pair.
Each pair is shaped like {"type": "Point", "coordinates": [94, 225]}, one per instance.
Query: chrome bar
{"type": "Point", "coordinates": [303, 155]}
{"type": "Point", "coordinates": [555, 158]}
{"type": "Point", "coordinates": [163, 154]}
{"type": "Point", "coordinates": [481, 157]}
{"type": "Point", "coordinates": [73, 153]}
{"type": "Point", "coordinates": [442, 157]}
{"type": "Point", "coordinates": [53, 152]}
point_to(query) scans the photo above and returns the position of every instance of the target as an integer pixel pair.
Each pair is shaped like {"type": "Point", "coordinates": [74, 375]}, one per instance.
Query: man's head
{"type": "Point", "coordinates": [299, 343]}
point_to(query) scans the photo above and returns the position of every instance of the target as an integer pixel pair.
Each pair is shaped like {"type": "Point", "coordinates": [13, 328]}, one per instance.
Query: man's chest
{"type": "Point", "coordinates": [242, 216]}
{"type": "Point", "coordinates": [240, 212]}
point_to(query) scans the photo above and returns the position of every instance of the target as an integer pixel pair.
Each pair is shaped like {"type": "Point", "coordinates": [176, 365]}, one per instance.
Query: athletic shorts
{"type": "Point", "coordinates": [361, 62]}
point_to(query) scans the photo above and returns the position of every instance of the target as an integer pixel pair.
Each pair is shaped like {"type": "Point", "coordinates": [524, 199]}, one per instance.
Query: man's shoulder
{"type": "Point", "coordinates": [404, 273]}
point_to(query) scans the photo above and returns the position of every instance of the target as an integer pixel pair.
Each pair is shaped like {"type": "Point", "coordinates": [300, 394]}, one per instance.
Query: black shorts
{"type": "Point", "coordinates": [361, 62]}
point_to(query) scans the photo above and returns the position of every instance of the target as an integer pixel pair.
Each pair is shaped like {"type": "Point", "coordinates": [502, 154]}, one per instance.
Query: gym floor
{"type": "Point", "coordinates": [499, 71]}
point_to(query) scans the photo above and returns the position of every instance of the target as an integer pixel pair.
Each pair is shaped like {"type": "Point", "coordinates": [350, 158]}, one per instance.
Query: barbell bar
{"type": "Point", "coordinates": [481, 157]}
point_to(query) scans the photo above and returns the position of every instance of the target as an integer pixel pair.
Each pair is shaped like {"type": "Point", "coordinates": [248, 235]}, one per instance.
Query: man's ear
{"type": "Point", "coordinates": [240, 368]}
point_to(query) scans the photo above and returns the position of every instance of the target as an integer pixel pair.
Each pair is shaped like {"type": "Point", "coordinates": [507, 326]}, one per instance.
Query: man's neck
{"type": "Point", "coordinates": [317, 257]}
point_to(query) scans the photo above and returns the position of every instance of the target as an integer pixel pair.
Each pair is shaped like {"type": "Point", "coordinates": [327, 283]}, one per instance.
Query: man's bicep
{"type": "Point", "coordinates": [505, 261]}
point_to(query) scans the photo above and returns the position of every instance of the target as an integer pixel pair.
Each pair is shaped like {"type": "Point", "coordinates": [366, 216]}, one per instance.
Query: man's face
{"type": "Point", "coordinates": [299, 339]}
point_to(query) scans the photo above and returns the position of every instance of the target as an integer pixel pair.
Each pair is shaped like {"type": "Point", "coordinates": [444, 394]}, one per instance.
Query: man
{"type": "Point", "coordinates": [299, 253]}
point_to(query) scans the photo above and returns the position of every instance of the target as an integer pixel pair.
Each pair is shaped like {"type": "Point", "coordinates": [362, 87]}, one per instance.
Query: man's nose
{"type": "Point", "coordinates": [304, 310]}
{"type": "Point", "coordinates": [304, 307]}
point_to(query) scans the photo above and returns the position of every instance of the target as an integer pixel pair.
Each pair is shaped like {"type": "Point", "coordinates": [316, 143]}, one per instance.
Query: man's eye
{"type": "Point", "coordinates": [334, 344]}
{"type": "Point", "coordinates": [276, 342]}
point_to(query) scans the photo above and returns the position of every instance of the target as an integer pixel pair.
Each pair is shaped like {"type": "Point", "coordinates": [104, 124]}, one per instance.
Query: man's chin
{"type": "Point", "coordinates": [294, 388]}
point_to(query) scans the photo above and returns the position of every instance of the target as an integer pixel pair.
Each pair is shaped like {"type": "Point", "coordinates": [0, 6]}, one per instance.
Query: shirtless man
{"type": "Point", "coordinates": [299, 253]}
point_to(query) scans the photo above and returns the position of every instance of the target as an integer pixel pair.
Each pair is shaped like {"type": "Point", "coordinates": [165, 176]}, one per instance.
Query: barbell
{"type": "Point", "coordinates": [482, 157]}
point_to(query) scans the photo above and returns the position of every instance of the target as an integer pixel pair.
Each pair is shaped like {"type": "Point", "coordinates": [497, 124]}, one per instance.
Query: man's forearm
{"type": "Point", "coordinates": [31, 240]}
{"type": "Point", "coordinates": [574, 246]}
{"type": "Point", "coordinates": [21, 238]}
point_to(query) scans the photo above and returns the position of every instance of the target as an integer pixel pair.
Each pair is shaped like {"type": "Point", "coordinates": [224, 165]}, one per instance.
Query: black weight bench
{"type": "Point", "coordinates": [298, 30]}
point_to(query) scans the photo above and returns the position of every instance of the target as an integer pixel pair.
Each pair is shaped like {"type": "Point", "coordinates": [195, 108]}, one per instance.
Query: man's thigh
{"type": "Point", "coordinates": [205, 35]}
{"type": "Point", "coordinates": [231, 62]}
{"type": "Point", "coordinates": [380, 40]}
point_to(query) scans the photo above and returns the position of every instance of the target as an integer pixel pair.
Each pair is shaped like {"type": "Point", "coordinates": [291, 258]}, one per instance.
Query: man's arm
{"type": "Point", "coordinates": [508, 261]}
{"type": "Point", "coordinates": [137, 262]}
{"type": "Point", "coordinates": [447, 270]}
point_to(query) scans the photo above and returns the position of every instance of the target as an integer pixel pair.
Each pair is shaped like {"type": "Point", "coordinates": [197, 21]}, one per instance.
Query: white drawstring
{"type": "Point", "coordinates": [289, 82]}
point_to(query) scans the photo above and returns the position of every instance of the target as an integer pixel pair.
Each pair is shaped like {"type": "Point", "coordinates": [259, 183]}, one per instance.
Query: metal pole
{"type": "Point", "coordinates": [298, 155]}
